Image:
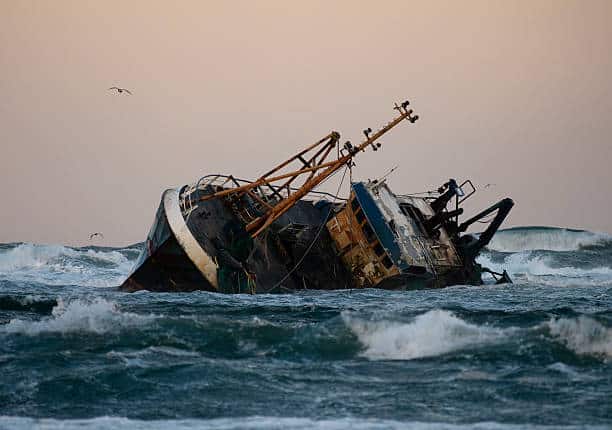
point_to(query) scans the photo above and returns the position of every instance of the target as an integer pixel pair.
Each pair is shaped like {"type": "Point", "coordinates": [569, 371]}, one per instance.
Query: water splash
{"type": "Point", "coordinates": [545, 238]}
{"type": "Point", "coordinates": [583, 335]}
{"type": "Point", "coordinates": [433, 333]}
{"type": "Point", "coordinates": [97, 316]}
{"type": "Point", "coordinates": [62, 265]}
{"type": "Point", "coordinates": [531, 263]}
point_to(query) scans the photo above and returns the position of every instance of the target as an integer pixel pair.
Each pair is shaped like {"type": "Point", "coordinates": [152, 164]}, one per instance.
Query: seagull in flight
{"type": "Point", "coordinates": [97, 234]}
{"type": "Point", "coordinates": [121, 90]}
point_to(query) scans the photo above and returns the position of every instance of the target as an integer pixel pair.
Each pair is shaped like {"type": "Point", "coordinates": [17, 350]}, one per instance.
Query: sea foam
{"type": "Point", "coordinates": [28, 255]}
{"type": "Point", "coordinates": [530, 263]}
{"type": "Point", "coordinates": [583, 335]}
{"type": "Point", "coordinates": [545, 238]}
{"type": "Point", "coordinates": [62, 265]}
{"type": "Point", "coordinates": [433, 333]}
{"type": "Point", "coordinates": [97, 316]}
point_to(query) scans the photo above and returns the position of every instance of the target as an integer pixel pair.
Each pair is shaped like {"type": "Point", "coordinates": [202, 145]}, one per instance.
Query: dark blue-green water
{"type": "Point", "coordinates": [77, 354]}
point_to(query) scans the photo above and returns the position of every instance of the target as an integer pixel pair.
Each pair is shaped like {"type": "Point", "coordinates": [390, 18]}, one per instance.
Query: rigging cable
{"type": "Point", "coordinates": [314, 240]}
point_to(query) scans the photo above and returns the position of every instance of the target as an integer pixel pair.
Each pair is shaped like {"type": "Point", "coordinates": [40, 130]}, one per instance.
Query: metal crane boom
{"type": "Point", "coordinates": [314, 169]}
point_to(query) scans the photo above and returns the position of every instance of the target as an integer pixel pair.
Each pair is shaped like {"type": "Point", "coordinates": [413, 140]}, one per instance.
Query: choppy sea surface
{"type": "Point", "coordinates": [75, 353]}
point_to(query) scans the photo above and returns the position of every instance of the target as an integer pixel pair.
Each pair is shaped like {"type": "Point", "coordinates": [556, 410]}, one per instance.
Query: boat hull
{"type": "Point", "coordinates": [208, 250]}
{"type": "Point", "coordinates": [375, 239]}
{"type": "Point", "coordinates": [172, 259]}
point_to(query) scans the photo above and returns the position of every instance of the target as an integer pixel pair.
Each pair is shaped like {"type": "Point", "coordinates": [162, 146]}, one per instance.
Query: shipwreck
{"type": "Point", "coordinates": [279, 234]}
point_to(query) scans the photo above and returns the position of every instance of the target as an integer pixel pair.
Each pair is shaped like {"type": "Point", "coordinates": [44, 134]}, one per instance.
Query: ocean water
{"type": "Point", "coordinates": [77, 354]}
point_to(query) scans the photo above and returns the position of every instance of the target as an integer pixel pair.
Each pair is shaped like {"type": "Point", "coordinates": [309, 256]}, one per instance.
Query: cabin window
{"type": "Point", "coordinates": [368, 232]}
{"type": "Point", "coordinates": [408, 210]}
{"type": "Point", "coordinates": [387, 262]}
{"type": "Point", "coordinates": [378, 249]}
{"type": "Point", "coordinates": [413, 214]}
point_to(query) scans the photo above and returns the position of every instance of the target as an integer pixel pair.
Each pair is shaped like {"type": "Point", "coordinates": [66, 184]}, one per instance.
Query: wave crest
{"type": "Point", "coordinates": [583, 335]}
{"type": "Point", "coordinates": [97, 316]}
{"type": "Point", "coordinates": [529, 263]}
{"type": "Point", "coordinates": [433, 333]}
{"type": "Point", "coordinates": [62, 265]}
{"type": "Point", "coordinates": [545, 238]}
{"type": "Point", "coordinates": [28, 255]}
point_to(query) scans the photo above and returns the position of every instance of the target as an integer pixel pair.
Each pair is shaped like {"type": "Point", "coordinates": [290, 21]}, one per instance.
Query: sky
{"type": "Point", "coordinates": [513, 93]}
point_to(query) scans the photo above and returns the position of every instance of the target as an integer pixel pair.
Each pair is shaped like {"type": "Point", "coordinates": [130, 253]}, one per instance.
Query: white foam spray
{"type": "Point", "coordinates": [545, 238]}
{"type": "Point", "coordinates": [97, 316]}
{"type": "Point", "coordinates": [433, 333]}
{"type": "Point", "coordinates": [61, 265]}
{"type": "Point", "coordinates": [32, 255]}
{"type": "Point", "coordinates": [583, 335]}
{"type": "Point", "coordinates": [529, 263]}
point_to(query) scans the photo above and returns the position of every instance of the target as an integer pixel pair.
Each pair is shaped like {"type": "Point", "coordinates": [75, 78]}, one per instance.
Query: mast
{"type": "Point", "coordinates": [273, 191]}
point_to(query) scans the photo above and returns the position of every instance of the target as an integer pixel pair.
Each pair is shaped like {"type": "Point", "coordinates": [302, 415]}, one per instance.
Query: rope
{"type": "Point", "coordinates": [313, 240]}
{"type": "Point", "coordinates": [250, 282]}
{"type": "Point", "coordinates": [387, 174]}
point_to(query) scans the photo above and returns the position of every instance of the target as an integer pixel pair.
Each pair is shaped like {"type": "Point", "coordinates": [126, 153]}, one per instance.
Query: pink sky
{"type": "Point", "coordinates": [515, 93]}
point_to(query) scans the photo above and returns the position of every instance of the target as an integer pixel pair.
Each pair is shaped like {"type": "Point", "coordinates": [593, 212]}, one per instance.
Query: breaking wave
{"type": "Point", "coordinates": [529, 263]}
{"type": "Point", "coordinates": [62, 265]}
{"type": "Point", "coordinates": [557, 254]}
{"type": "Point", "coordinates": [546, 238]}
{"type": "Point", "coordinates": [583, 335]}
{"type": "Point", "coordinates": [97, 316]}
{"type": "Point", "coordinates": [28, 255]}
{"type": "Point", "coordinates": [433, 333]}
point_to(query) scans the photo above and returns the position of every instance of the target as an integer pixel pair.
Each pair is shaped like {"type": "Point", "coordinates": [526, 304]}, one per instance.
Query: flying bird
{"type": "Point", "coordinates": [121, 90]}
{"type": "Point", "coordinates": [100, 235]}
{"type": "Point", "coordinates": [489, 185]}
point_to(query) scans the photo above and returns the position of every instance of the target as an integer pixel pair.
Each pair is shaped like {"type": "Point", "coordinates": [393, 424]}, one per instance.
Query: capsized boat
{"type": "Point", "coordinates": [279, 234]}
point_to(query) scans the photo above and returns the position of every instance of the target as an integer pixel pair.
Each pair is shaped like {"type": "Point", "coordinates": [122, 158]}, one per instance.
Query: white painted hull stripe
{"type": "Point", "coordinates": [184, 237]}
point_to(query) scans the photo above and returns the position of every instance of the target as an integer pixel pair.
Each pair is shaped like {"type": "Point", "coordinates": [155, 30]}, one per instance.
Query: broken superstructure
{"type": "Point", "coordinates": [278, 233]}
